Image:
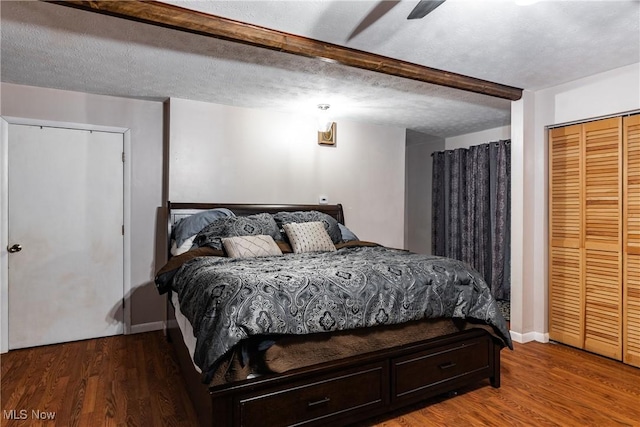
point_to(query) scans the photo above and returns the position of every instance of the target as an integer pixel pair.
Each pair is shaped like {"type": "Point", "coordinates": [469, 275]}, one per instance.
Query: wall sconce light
{"type": "Point", "coordinates": [326, 127]}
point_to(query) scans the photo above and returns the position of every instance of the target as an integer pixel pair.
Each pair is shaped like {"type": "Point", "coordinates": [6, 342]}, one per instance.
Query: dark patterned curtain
{"type": "Point", "coordinates": [472, 210]}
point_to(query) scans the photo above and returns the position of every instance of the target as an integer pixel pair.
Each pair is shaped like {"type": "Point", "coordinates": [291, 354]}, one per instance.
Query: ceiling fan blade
{"type": "Point", "coordinates": [423, 8]}
{"type": "Point", "coordinates": [376, 13]}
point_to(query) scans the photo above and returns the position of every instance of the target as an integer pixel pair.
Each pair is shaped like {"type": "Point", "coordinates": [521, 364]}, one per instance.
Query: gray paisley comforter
{"type": "Point", "coordinates": [227, 300]}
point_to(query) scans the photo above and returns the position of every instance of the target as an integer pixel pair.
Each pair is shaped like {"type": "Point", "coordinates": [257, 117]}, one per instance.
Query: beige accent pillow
{"type": "Point", "coordinates": [308, 237]}
{"type": "Point", "coordinates": [250, 246]}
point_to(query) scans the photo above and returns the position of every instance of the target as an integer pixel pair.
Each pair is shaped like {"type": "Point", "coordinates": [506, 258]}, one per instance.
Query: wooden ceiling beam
{"type": "Point", "coordinates": [171, 16]}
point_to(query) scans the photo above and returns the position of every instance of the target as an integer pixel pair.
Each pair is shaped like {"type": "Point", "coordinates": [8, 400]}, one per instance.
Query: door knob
{"type": "Point", "coordinates": [14, 248]}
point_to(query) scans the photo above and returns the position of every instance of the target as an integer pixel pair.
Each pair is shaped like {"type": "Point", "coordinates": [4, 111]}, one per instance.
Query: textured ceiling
{"type": "Point", "coordinates": [530, 47]}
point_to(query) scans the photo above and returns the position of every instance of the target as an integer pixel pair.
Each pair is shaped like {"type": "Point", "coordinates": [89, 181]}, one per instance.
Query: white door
{"type": "Point", "coordinates": [65, 228]}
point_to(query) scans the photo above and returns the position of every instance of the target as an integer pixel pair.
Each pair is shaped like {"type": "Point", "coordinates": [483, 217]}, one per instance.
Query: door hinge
{"type": "Point", "coordinates": [123, 157]}
{"type": "Point", "coordinates": [123, 229]}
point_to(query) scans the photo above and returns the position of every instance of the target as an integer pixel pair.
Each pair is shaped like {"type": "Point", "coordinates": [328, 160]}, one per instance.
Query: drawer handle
{"type": "Point", "coordinates": [447, 365]}
{"type": "Point", "coordinates": [318, 402]}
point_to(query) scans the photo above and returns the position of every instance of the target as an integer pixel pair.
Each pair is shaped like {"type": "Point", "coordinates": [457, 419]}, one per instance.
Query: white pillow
{"type": "Point", "coordinates": [308, 237]}
{"type": "Point", "coordinates": [250, 246]}
{"type": "Point", "coordinates": [184, 247]}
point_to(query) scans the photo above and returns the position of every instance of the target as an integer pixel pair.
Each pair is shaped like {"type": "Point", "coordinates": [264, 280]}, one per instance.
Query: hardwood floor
{"type": "Point", "coordinates": [128, 380]}
{"type": "Point", "coordinates": [134, 381]}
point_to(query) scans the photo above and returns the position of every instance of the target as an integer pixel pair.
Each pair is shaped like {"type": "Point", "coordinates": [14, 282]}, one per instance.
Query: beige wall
{"type": "Point", "coordinates": [419, 178]}
{"type": "Point", "coordinates": [229, 154]}
{"type": "Point", "coordinates": [613, 92]}
{"type": "Point", "coordinates": [144, 120]}
{"type": "Point", "coordinates": [522, 232]}
{"type": "Point", "coordinates": [222, 153]}
{"type": "Point", "coordinates": [477, 138]}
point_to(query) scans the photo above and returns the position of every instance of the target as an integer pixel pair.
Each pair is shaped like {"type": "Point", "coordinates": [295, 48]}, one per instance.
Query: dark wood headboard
{"type": "Point", "coordinates": [243, 209]}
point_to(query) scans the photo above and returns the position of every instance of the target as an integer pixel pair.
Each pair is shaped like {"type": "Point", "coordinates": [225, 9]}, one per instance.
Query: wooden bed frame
{"type": "Point", "coordinates": [343, 391]}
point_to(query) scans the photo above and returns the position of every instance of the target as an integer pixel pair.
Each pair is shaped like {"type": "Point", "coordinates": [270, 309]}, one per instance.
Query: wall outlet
{"type": "Point", "coordinates": [323, 200]}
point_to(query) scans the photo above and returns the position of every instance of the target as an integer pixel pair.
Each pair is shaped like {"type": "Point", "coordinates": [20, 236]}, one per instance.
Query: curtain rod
{"type": "Point", "coordinates": [506, 141]}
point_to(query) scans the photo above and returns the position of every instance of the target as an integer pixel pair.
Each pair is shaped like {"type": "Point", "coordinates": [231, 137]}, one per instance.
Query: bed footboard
{"type": "Point", "coordinates": [345, 391]}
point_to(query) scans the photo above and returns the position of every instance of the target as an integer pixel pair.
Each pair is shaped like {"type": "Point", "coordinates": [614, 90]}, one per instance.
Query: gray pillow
{"type": "Point", "coordinates": [190, 226]}
{"type": "Point", "coordinates": [329, 222]}
{"type": "Point", "coordinates": [347, 235]}
{"type": "Point", "coordinates": [252, 225]}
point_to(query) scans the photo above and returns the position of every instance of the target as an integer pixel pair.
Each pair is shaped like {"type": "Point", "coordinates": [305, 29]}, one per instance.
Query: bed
{"type": "Point", "coordinates": [308, 336]}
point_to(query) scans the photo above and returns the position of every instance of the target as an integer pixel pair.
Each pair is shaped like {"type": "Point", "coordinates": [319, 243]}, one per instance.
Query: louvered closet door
{"type": "Point", "coordinates": [631, 244]}
{"type": "Point", "coordinates": [602, 201]}
{"type": "Point", "coordinates": [566, 298]}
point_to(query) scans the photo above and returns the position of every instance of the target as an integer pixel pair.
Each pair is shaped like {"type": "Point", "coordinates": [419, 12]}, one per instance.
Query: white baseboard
{"type": "Point", "coordinates": [529, 336]}
{"type": "Point", "coordinates": [147, 327]}
{"type": "Point", "coordinates": [542, 337]}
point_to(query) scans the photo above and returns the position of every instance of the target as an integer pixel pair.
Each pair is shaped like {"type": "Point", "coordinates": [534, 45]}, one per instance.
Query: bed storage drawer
{"type": "Point", "coordinates": [430, 372]}
{"type": "Point", "coordinates": [317, 403]}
